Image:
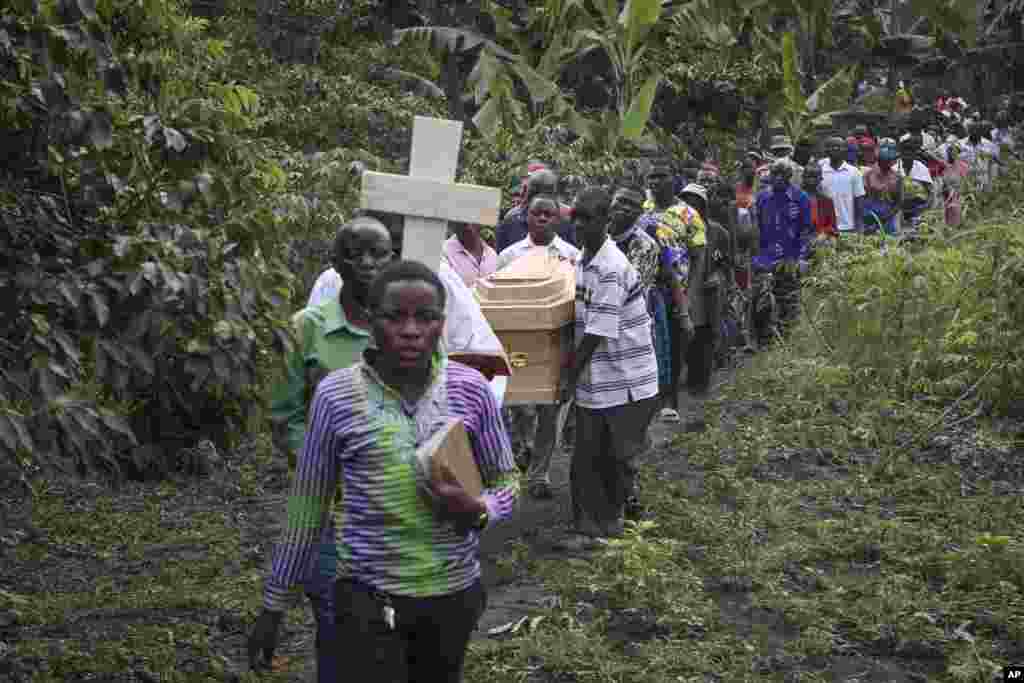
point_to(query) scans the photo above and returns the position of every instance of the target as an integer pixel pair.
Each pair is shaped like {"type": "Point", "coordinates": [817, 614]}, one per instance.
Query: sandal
{"type": "Point", "coordinates": [669, 415]}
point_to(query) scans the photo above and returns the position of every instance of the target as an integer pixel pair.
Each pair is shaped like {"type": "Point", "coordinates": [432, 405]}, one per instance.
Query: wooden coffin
{"type": "Point", "coordinates": [449, 449]}
{"type": "Point", "coordinates": [530, 304]}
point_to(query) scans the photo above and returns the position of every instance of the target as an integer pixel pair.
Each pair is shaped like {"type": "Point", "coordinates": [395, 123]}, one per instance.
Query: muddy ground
{"type": "Point", "coordinates": [539, 530]}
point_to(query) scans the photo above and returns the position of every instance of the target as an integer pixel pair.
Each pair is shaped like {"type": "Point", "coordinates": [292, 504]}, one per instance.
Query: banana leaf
{"type": "Point", "coordinates": [639, 113]}
{"type": "Point", "coordinates": [637, 19]}
{"type": "Point", "coordinates": [450, 39]}
{"type": "Point", "coordinates": [834, 93]}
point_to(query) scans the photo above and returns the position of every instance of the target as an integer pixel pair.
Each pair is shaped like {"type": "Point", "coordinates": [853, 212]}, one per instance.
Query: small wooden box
{"type": "Point", "coordinates": [531, 306]}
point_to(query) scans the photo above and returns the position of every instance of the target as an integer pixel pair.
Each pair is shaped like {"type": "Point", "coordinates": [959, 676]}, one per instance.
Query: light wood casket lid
{"type": "Point", "coordinates": [536, 291]}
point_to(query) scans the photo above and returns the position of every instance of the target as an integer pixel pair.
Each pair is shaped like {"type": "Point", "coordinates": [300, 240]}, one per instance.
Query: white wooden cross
{"type": "Point", "coordinates": [428, 197]}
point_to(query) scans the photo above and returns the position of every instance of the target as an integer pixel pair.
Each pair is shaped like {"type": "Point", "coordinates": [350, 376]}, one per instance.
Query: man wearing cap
{"type": "Point", "coordinates": [705, 295]}
{"type": "Point", "coordinates": [782, 151]}
{"type": "Point", "coordinates": [784, 218]}
{"type": "Point", "coordinates": [844, 185]}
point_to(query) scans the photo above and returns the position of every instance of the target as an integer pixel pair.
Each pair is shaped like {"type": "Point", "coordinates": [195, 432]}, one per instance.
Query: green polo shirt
{"type": "Point", "coordinates": [325, 341]}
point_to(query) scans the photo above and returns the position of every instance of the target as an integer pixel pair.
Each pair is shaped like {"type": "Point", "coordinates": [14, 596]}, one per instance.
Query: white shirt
{"type": "Point", "coordinates": [465, 327]}
{"type": "Point", "coordinates": [981, 159]}
{"type": "Point", "coordinates": [558, 246]}
{"type": "Point", "coordinates": [918, 171]}
{"type": "Point", "coordinates": [610, 303]}
{"type": "Point", "coordinates": [842, 185]}
{"type": "Point", "coordinates": [984, 151]}
{"type": "Point", "coordinates": [1003, 136]}
{"type": "Point", "coordinates": [928, 141]}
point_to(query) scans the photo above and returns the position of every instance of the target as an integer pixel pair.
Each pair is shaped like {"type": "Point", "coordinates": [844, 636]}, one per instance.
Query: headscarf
{"type": "Point", "coordinates": [888, 152]}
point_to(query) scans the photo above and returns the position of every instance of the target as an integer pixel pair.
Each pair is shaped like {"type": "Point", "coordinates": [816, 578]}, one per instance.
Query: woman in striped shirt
{"type": "Point", "coordinates": [409, 592]}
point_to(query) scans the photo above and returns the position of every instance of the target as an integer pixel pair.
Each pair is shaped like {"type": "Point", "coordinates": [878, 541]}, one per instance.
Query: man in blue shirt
{"type": "Point", "coordinates": [784, 220]}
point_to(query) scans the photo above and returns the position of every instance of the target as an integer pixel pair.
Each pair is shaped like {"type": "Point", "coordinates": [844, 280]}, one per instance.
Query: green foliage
{"type": "Point", "coordinates": [499, 76]}
{"type": "Point", "coordinates": [143, 263]}
{"type": "Point", "coordinates": [958, 17]}
{"type": "Point", "coordinates": [942, 318]}
{"type": "Point", "coordinates": [796, 112]}
{"type": "Point", "coordinates": [556, 34]}
{"type": "Point", "coordinates": [946, 20]}
{"type": "Point", "coordinates": [719, 56]}
{"type": "Point", "coordinates": [635, 120]}
{"type": "Point", "coordinates": [547, 39]}
{"type": "Point", "coordinates": [625, 37]}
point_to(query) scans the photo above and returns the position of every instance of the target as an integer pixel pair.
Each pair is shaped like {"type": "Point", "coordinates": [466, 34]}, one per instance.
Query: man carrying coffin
{"type": "Point", "coordinates": [410, 593]}
{"type": "Point", "coordinates": [514, 228]}
{"type": "Point", "coordinates": [614, 374]}
{"type": "Point", "coordinates": [529, 423]}
{"type": "Point", "coordinates": [466, 329]}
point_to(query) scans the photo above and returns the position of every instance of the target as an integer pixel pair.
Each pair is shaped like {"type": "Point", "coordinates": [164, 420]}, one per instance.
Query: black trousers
{"type": "Point", "coordinates": [787, 296]}
{"type": "Point", "coordinates": [428, 641]}
{"type": "Point", "coordinates": [677, 350]}
{"type": "Point", "coordinates": [602, 475]}
{"type": "Point", "coordinates": [700, 360]}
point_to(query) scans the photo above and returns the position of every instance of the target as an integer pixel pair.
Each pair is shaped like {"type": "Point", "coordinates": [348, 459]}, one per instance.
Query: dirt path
{"type": "Point", "coordinates": [540, 528]}
{"type": "Point", "coordinates": [113, 581]}
{"type": "Point", "coordinates": [37, 560]}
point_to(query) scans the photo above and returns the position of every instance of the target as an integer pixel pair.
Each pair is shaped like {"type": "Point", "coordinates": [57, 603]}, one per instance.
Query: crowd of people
{"type": "Point", "coordinates": [674, 275]}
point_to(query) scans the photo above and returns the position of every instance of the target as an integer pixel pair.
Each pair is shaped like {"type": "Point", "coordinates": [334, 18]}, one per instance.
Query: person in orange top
{"type": "Point", "coordinates": [746, 188]}
{"type": "Point", "coordinates": [823, 211]}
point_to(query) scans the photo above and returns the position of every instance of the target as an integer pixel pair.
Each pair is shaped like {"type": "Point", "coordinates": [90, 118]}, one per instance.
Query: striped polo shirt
{"type": "Point", "coordinates": [610, 304]}
{"type": "Point", "coordinates": [363, 433]}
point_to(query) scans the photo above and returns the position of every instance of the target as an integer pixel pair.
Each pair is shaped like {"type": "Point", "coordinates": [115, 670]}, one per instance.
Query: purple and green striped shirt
{"type": "Point", "coordinates": [364, 434]}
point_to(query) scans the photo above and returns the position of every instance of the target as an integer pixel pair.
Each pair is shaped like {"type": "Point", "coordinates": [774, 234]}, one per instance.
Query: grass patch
{"type": "Point", "coordinates": [795, 553]}
{"type": "Point", "coordinates": [851, 511]}
{"type": "Point", "coordinates": [162, 579]}
{"type": "Point", "coordinates": [833, 521]}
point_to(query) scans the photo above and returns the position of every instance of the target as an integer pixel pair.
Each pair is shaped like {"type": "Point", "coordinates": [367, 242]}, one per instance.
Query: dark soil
{"type": "Point", "coordinates": [537, 531]}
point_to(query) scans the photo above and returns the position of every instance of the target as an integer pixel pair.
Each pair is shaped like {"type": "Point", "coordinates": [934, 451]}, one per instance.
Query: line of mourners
{"type": "Point", "coordinates": [681, 273]}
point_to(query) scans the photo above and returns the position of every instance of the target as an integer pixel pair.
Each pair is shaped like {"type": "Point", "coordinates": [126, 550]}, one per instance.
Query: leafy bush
{"type": "Point", "coordinates": [143, 277]}
{"type": "Point", "coordinates": [942, 316]}
{"type": "Point", "coordinates": [169, 193]}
